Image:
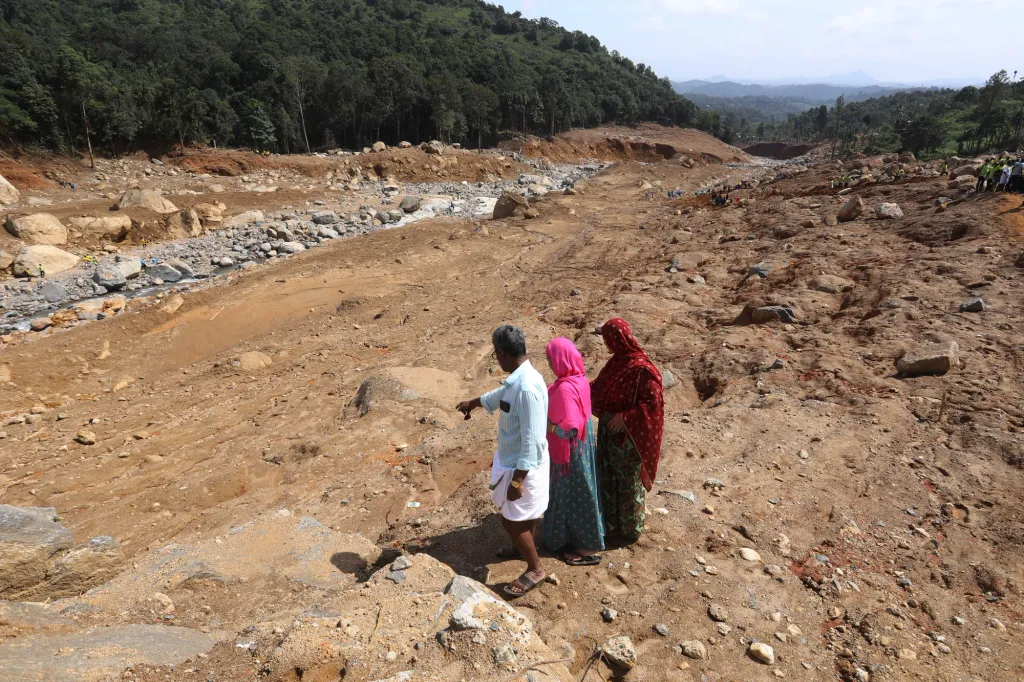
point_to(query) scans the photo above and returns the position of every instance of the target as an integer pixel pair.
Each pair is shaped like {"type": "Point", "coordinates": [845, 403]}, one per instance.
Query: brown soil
{"type": "Point", "coordinates": [902, 516]}
{"type": "Point", "coordinates": [779, 150]}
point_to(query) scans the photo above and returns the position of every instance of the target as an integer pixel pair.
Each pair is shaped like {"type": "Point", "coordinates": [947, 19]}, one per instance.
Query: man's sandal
{"type": "Point", "coordinates": [523, 584]}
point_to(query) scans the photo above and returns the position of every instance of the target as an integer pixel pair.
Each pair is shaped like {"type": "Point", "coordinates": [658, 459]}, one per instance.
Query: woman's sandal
{"type": "Point", "coordinates": [523, 584]}
{"type": "Point", "coordinates": [582, 559]}
{"type": "Point", "coordinates": [509, 552]}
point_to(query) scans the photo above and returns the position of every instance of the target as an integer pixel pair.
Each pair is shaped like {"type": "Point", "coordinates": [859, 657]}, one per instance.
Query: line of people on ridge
{"type": "Point", "coordinates": [587, 480]}
{"type": "Point", "coordinates": [1001, 175]}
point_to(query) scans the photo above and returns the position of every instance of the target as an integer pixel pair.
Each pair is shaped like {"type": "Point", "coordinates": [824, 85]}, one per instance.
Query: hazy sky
{"type": "Point", "coordinates": [892, 40]}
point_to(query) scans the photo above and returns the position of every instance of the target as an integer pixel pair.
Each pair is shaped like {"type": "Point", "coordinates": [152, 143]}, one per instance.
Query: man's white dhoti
{"type": "Point", "coordinates": [534, 501]}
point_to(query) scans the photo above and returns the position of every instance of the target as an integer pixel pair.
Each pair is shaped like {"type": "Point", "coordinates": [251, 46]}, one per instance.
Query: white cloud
{"type": "Point", "coordinates": [693, 7]}
{"type": "Point", "coordinates": [651, 24]}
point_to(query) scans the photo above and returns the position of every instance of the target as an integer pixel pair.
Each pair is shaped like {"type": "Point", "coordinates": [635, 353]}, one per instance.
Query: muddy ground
{"type": "Point", "coordinates": [884, 508]}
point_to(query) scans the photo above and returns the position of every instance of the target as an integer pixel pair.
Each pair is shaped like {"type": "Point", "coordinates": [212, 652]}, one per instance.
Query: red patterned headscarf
{"type": "Point", "coordinates": [630, 384]}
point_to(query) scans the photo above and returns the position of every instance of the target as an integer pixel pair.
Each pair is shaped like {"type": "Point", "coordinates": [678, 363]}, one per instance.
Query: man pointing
{"type": "Point", "coordinates": [520, 473]}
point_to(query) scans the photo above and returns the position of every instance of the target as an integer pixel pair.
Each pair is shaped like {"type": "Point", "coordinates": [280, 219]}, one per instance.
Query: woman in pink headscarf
{"type": "Point", "coordinates": [573, 522]}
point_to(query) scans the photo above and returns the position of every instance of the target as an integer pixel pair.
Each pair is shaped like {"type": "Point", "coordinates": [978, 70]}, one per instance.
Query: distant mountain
{"type": "Point", "coordinates": [857, 78]}
{"type": "Point", "coordinates": [814, 94]}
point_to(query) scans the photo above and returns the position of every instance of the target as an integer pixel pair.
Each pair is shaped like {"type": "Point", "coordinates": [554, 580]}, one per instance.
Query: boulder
{"type": "Point", "coordinates": [110, 276]}
{"type": "Point", "coordinates": [6, 260]}
{"type": "Point", "coordinates": [433, 147]}
{"type": "Point", "coordinates": [754, 314]}
{"type": "Point", "coordinates": [8, 193]}
{"type": "Point", "coordinates": [191, 223]}
{"type": "Point", "coordinates": [39, 228]}
{"type": "Point", "coordinates": [510, 205]}
{"type": "Point", "coordinates": [888, 211]}
{"type": "Point", "coordinates": [147, 199]}
{"type": "Point", "coordinates": [163, 271]}
{"type": "Point", "coordinates": [52, 292]}
{"type": "Point", "coordinates": [326, 218]}
{"type": "Point", "coordinates": [290, 247]}
{"type": "Point", "coordinates": [851, 210]}
{"type": "Point", "coordinates": [253, 361]}
{"type": "Point", "coordinates": [931, 359]}
{"type": "Point", "coordinates": [51, 259]}
{"type": "Point", "coordinates": [110, 227]}
{"type": "Point", "coordinates": [907, 157]}
{"type": "Point", "coordinates": [378, 147]}
{"type": "Point", "coordinates": [243, 219]}
{"type": "Point", "coordinates": [130, 267]}
{"type": "Point", "coordinates": [830, 284]}
{"type": "Point", "coordinates": [210, 213]}
{"type": "Point", "coordinates": [404, 145]}
{"type": "Point", "coordinates": [411, 204]}
{"type": "Point", "coordinates": [30, 538]}
{"type": "Point", "coordinates": [381, 388]}
{"type": "Point", "coordinates": [974, 305]}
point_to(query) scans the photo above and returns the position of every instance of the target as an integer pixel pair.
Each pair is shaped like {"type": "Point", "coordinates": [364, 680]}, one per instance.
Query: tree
{"type": "Point", "coordinates": [303, 77]}
{"type": "Point", "coordinates": [82, 82]}
{"type": "Point", "coordinates": [481, 103]}
{"type": "Point", "coordinates": [840, 103]}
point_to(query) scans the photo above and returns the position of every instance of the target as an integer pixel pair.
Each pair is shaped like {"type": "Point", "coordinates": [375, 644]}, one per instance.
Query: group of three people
{"type": "Point", "coordinates": [1001, 175]}
{"type": "Point", "coordinates": [589, 483]}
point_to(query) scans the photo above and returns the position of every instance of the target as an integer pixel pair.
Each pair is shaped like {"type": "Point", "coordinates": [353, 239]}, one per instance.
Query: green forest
{"type": "Point", "coordinates": [931, 123]}
{"type": "Point", "coordinates": [301, 75]}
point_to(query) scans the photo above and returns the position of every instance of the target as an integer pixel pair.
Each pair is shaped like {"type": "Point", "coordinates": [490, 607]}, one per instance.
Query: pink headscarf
{"type": "Point", "coordinates": [568, 401]}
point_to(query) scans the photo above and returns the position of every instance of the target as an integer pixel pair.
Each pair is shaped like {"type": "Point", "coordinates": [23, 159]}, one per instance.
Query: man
{"type": "Point", "coordinates": [521, 470]}
{"type": "Point", "coordinates": [1016, 177]}
{"type": "Point", "coordinates": [983, 172]}
{"type": "Point", "coordinates": [995, 170]}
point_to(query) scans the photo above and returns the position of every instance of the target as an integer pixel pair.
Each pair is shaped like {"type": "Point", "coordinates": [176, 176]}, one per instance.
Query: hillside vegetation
{"type": "Point", "coordinates": [293, 75]}
{"type": "Point", "coordinates": [931, 123]}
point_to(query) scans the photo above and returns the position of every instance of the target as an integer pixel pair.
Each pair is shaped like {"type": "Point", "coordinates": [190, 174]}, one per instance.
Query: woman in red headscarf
{"type": "Point", "coordinates": [573, 523]}
{"type": "Point", "coordinates": [628, 397]}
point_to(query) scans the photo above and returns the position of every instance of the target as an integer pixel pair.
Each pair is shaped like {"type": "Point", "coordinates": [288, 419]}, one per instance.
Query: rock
{"type": "Point", "coordinates": [111, 227]}
{"type": "Point", "coordinates": [29, 538]}
{"type": "Point", "coordinates": [381, 388]}
{"type": "Point", "coordinates": [531, 214]}
{"type": "Point", "coordinates": [718, 613]}
{"type": "Point", "coordinates": [608, 614]}
{"type": "Point", "coordinates": [6, 260]}
{"type": "Point", "coordinates": [748, 554]}
{"type": "Point", "coordinates": [974, 305]}
{"type": "Point", "coordinates": [39, 228]}
{"type": "Point", "coordinates": [52, 292]}
{"type": "Point", "coordinates": [8, 192]}
{"type": "Point", "coordinates": [851, 210]}
{"type": "Point", "coordinates": [929, 359]}
{"type": "Point", "coordinates": [762, 653]}
{"type": "Point", "coordinates": [411, 204]}
{"type": "Point", "coordinates": [404, 145]}
{"type": "Point", "coordinates": [40, 324]}
{"type": "Point", "coordinates": [484, 611]}
{"type": "Point", "coordinates": [510, 205]}
{"type": "Point", "coordinates": [243, 219]}
{"type": "Point", "coordinates": [619, 653]}
{"type": "Point", "coordinates": [326, 218]}
{"type": "Point", "coordinates": [145, 198]}
{"type": "Point", "coordinates": [785, 232]}
{"type": "Point", "coordinates": [110, 276]}
{"type": "Point", "coordinates": [253, 361]}
{"type": "Point", "coordinates": [661, 629]}
{"type": "Point", "coordinates": [461, 588]}
{"type": "Point", "coordinates": [130, 267]}
{"type": "Point", "coordinates": [773, 313]}
{"type": "Point", "coordinates": [907, 157]}
{"type": "Point", "coordinates": [190, 222]}
{"type": "Point", "coordinates": [378, 147]}
{"type": "Point", "coordinates": [163, 271]}
{"type": "Point", "coordinates": [695, 650]}
{"type": "Point", "coordinates": [830, 284]}
{"type": "Point", "coordinates": [101, 653]}
{"type": "Point", "coordinates": [51, 259]}
{"type": "Point", "coordinates": [888, 211]}
{"type": "Point", "coordinates": [434, 148]}
{"type": "Point", "coordinates": [401, 563]}
{"type": "Point", "coordinates": [225, 262]}
{"type": "Point", "coordinates": [697, 280]}
{"type": "Point", "coordinates": [86, 438]}
{"type": "Point", "coordinates": [290, 247]}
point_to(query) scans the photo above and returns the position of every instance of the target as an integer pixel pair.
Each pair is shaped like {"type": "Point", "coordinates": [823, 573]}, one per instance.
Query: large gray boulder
{"type": "Point", "coordinates": [410, 204]}
{"type": "Point", "coordinates": [52, 260]}
{"type": "Point", "coordinates": [326, 218]}
{"type": "Point", "coordinates": [130, 267]}
{"type": "Point", "coordinates": [163, 271]}
{"type": "Point", "coordinates": [39, 228]}
{"type": "Point", "coordinates": [110, 276]}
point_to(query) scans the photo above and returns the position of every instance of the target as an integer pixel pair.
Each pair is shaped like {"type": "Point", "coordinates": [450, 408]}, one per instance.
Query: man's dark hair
{"type": "Point", "coordinates": [509, 340]}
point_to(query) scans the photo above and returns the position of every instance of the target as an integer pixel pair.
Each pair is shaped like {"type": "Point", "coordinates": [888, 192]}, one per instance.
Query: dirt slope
{"type": "Point", "coordinates": [884, 508]}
